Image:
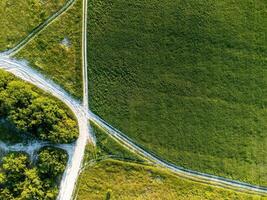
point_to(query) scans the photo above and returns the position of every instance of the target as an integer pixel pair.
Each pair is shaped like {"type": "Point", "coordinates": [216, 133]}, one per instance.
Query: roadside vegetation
{"type": "Point", "coordinates": [56, 51]}
{"type": "Point", "coordinates": [34, 112]}
{"type": "Point", "coordinates": [112, 177]}
{"type": "Point", "coordinates": [106, 147]}
{"type": "Point", "coordinates": [20, 178]}
{"type": "Point", "coordinates": [185, 79]}
{"type": "Point", "coordinates": [20, 17]}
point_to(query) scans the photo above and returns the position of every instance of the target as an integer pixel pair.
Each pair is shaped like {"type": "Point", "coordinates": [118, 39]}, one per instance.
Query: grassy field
{"type": "Point", "coordinates": [20, 17]}
{"type": "Point", "coordinates": [112, 172]}
{"type": "Point", "coordinates": [121, 180]}
{"type": "Point", "coordinates": [56, 51]}
{"type": "Point", "coordinates": [185, 79]}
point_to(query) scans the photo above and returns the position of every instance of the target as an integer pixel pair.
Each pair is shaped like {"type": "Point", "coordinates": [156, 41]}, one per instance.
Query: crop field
{"type": "Point", "coordinates": [185, 79]}
{"type": "Point", "coordinates": [112, 172]}
{"type": "Point", "coordinates": [20, 17]}
{"type": "Point", "coordinates": [56, 51]}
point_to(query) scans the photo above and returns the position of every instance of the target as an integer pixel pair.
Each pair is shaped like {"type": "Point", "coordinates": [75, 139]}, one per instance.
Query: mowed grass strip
{"type": "Point", "coordinates": [56, 51]}
{"type": "Point", "coordinates": [185, 79]}
{"type": "Point", "coordinates": [111, 179]}
{"type": "Point", "coordinates": [20, 17]}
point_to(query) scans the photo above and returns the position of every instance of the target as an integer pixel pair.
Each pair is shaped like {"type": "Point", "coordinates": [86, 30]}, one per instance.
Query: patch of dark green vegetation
{"type": "Point", "coordinates": [22, 179]}
{"type": "Point", "coordinates": [56, 51]}
{"type": "Point", "coordinates": [9, 134]}
{"type": "Point", "coordinates": [36, 113]}
{"type": "Point", "coordinates": [185, 79]}
{"type": "Point", "coordinates": [20, 17]}
{"type": "Point", "coordinates": [108, 147]}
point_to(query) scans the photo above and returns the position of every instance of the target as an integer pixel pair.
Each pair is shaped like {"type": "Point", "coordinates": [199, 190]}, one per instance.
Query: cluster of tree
{"type": "Point", "coordinates": [21, 180]}
{"type": "Point", "coordinates": [33, 112]}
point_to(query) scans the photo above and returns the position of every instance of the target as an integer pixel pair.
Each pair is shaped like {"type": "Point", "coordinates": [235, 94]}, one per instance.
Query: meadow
{"type": "Point", "coordinates": [56, 51]}
{"type": "Point", "coordinates": [185, 79]}
{"type": "Point", "coordinates": [111, 172]}
{"type": "Point", "coordinates": [111, 179]}
{"type": "Point", "coordinates": [20, 17]}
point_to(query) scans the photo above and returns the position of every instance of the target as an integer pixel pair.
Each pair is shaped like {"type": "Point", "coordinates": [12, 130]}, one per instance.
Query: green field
{"type": "Point", "coordinates": [56, 51]}
{"type": "Point", "coordinates": [185, 79]}
{"type": "Point", "coordinates": [131, 181]}
{"type": "Point", "coordinates": [112, 170]}
{"type": "Point", "coordinates": [20, 17]}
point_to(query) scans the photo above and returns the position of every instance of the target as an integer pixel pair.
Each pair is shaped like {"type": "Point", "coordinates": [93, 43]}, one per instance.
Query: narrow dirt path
{"type": "Point", "coordinates": [70, 176]}
{"type": "Point", "coordinates": [83, 113]}
{"type": "Point", "coordinates": [37, 30]}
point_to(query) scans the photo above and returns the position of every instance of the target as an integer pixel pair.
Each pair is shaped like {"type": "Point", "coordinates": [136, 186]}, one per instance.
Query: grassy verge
{"type": "Point", "coordinates": [106, 177]}
{"type": "Point", "coordinates": [56, 51]}
{"type": "Point", "coordinates": [20, 17]}
{"type": "Point", "coordinates": [112, 179]}
{"type": "Point", "coordinates": [185, 79]}
{"type": "Point", "coordinates": [108, 147]}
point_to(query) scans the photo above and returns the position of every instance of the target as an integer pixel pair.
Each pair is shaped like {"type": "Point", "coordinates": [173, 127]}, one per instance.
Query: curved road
{"type": "Point", "coordinates": [24, 72]}
{"type": "Point", "coordinates": [82, 114]}
{"type": "Point", "coordinates": [190, 174]}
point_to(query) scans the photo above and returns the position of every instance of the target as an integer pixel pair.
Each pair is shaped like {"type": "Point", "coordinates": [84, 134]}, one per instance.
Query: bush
{"type": "Point", "coordinates": [51, 162]}
{"type": "Point", "coordinates": [19, 179]}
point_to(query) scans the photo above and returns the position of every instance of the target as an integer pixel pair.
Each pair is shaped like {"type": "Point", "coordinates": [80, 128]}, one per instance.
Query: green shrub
{"type": "Point", "coordinates": [20, 179]}
{"type": "Point", "coordinates": [51, 162]}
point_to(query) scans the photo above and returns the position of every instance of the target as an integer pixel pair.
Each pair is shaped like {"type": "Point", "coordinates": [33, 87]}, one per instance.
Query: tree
{"type": "Point", "coordinates": [2, 178]}
{"type": "Point", "coordinates": [19, 95]}
{"type": "Point", "coordinates": [6, 194]}
{"type": "Point", "coordinates": [5, 78]}
{"type": "Point", "coordinates": [31, 187]}
{"type": "Point", "coordinates": [15, 164]}
{"type": "Point", "coordinates": [52, 162]}
{"type": "Point", "coordinates": [65, 131]}
{"type": "Point", "coordinates": [46, 120]}
{"type": "Point", "coordinates": [18, 180]}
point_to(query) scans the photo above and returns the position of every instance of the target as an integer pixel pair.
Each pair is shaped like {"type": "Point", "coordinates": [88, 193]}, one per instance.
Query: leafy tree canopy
{"type": "Point", "coordinates": [34, 112]}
